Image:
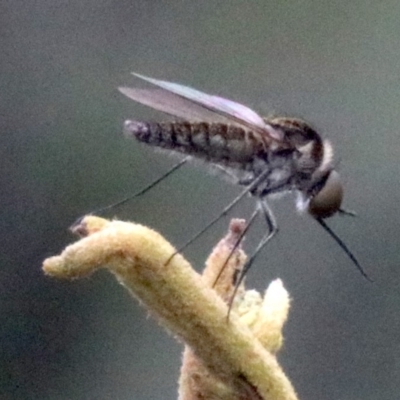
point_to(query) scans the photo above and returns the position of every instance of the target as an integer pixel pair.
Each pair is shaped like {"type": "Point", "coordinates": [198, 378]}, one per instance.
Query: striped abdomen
{"type": "Point", "coordinates": [215, 142]}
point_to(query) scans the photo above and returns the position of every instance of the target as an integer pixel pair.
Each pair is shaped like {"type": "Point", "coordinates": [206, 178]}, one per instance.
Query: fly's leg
{"type": "Point", "coordinates": [229, 174]}
{"type": "Point", "coordinates": [272, 230]}
{"type": "Point", "coordinates": [225, 211]}
{"type": "Point", "coordinates": [137, 194]}
{"type": "Point", "coordinates": [237, 243]}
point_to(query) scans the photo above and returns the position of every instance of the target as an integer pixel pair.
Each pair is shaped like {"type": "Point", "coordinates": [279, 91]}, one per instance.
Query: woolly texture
{"type": "Point", "coordinates": [236, 363]}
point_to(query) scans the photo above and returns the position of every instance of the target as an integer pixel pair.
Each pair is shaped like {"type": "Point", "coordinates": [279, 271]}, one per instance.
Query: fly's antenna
{"type": "Point", "coordinates": [343, 246]}
{"type": "Point", "coordinates": [134, 195]}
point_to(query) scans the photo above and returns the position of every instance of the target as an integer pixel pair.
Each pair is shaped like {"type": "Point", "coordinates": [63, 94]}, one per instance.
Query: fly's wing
{"type": "Point", "coordinates": [185, 102]}
{"type": "Point", "coordinates": [172, 104]}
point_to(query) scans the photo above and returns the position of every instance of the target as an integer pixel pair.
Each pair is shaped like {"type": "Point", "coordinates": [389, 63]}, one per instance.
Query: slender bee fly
{"type": "Point", "coordinates": [265, 156]}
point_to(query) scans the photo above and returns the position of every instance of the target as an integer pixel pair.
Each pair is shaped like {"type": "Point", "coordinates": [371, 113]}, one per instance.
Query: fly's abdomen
{"type": "Point", "coordinates": [215, 142]}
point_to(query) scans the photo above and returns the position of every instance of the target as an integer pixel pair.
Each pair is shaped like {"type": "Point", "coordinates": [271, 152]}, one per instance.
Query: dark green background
{"type": "Point", "coordinates": [337, 64]}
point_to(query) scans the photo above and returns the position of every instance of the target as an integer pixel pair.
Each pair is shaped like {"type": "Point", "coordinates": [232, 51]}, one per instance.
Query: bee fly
{"type": "Point", "coordinates": [264, 155]}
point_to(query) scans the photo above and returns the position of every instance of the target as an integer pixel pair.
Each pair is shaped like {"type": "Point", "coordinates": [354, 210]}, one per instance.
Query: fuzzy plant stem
{"type": "Point", "coordinates": [239, 360]}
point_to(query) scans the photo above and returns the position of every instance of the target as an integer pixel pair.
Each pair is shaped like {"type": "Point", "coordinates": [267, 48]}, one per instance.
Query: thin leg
{"type": "Point", "coordinates": [238, 241]}
{"type": "Point", "coordinates": [137, 194]}
{"type": "Point", "coordinates": [233, 177]}
{"type": "Point", "coordinates": [225, 211]}
{"type": "Point", "coordinates": [272, 230]}
{"type": "Point", "coordinates": [226, 172]}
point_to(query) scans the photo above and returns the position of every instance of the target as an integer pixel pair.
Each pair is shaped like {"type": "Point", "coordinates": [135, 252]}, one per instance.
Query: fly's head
{"type": "Point", "coordinates": [326, 195]}
{"type": "Point", "coordinates": [322, 196]}
{"type": "Point", "coordinates": [323, 200]}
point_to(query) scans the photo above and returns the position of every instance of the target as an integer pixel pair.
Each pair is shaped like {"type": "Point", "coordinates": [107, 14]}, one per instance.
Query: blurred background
{"type": "Point", "coordinates": [62, 154]}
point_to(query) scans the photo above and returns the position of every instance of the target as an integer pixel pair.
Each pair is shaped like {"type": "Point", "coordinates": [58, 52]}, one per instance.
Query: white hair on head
{"type": "Point", "coordinates": [328, 155]}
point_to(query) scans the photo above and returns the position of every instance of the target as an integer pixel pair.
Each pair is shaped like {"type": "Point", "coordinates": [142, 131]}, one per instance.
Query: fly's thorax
{"type": "Point", "coordinates": [302, 137]}
{"type": "Point", "coordinates": [278, 170]}
{"type": "Point", "coordinates": [295, 130]}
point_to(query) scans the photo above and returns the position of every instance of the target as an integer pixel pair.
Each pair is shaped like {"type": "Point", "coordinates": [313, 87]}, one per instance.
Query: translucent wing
{"type": "Point", "coordinates": [172, 104]}
{"type": "Point", "coordinates": [188, 103]}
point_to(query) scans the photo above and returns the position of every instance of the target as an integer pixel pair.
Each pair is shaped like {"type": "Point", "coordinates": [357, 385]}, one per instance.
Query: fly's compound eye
{"type": "Point", "coordinates": [327, 201]}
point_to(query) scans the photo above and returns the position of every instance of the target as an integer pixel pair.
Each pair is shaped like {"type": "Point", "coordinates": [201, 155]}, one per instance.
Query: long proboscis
{"type": "Point", "coordinates": [344, 248]}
